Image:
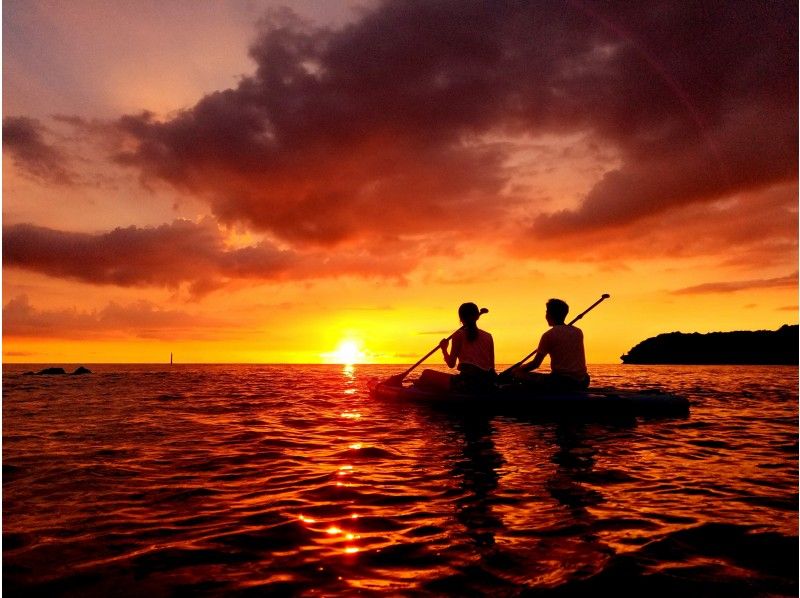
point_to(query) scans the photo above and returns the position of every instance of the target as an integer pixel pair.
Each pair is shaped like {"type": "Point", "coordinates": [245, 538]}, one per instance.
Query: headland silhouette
{"type": "Point", "coordinates": [759, 347]}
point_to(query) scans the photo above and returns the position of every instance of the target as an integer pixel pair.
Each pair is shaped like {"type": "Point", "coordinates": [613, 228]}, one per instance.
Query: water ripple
{"type": "Point", "coordinates": [255, 480]}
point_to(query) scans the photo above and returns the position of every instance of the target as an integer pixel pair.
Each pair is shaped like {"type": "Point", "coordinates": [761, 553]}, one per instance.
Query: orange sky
{"type": "Point", "coordinates": [240, 182]}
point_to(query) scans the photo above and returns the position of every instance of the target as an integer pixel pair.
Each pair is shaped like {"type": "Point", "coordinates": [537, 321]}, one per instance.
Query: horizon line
{"type": "Point", "coordinates": [259, 363]}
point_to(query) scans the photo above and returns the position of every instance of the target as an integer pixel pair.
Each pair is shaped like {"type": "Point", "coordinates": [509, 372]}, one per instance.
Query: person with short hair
{"type": "Point", "coordinates": [564, 344]}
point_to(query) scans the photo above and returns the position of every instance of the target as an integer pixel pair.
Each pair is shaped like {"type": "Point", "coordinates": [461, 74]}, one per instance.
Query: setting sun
{"type": "Point", "coordinates": [347, 352]}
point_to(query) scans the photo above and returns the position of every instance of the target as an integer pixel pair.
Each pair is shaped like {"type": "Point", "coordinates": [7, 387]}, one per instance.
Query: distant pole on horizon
{"type": "Point", "coordinates": [170, 357]}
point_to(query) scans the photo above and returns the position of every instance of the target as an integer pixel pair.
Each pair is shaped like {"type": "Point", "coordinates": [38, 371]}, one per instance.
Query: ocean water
{"type": "Point", "coordinates": [290, 480]}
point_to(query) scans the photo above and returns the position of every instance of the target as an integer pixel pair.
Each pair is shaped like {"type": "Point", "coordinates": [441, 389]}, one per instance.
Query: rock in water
{"type": "Point", "coordinates": [81, 370]}
{"type": "Point", "coordinates": [50, 372]}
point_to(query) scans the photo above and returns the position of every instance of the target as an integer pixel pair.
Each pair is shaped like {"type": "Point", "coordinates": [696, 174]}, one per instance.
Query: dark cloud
{"type": "Point", "coordinates": [749, 230]}
{"type": "Point", "coordinates": [24, 140]}
{"type": "Point", "coordinates": [753, 156]}
{"type": "Point", "coordinates": [740, 285]}
{"type": "Point", "coordinates": [381, 127]}
{"type": "Point", "coordinates": [182, 252]}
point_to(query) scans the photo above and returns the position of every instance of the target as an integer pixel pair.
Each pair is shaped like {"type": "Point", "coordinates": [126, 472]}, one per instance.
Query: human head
{"type": "Point", "coordinates": [557, 311]}
{"type": "Point", "coordinates": [468, 313]}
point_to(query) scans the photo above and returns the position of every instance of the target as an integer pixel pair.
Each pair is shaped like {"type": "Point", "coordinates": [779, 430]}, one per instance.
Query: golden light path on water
{"type": "Point", "coordinates": [347, 352]}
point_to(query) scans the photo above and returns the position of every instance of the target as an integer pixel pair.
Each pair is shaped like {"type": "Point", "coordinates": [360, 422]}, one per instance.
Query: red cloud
{"type": "Point", "coordinates": [740, 285]}
{"type": "Point", "coordinates": [755, 229]}
{"type": "Point", "coordinates": [380, 127]}
{"type": "Point", "coordinates": [143, 319]}
{"type": "Point", "coordinates": [178, 253]}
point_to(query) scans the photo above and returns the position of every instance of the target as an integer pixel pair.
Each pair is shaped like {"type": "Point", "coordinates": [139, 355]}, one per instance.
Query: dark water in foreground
{"type": "Point", "coordinates": [263, 480]}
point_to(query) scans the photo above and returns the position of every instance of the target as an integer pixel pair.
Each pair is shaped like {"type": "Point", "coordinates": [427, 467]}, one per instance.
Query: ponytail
{"type": "Point", "coordinates": [469, 314]}
{"type": "Point", "coordinates": [472, 331]}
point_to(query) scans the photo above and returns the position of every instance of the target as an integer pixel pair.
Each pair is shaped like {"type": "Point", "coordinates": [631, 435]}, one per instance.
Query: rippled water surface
{"type": "Point", "coordinates": [228, 480]}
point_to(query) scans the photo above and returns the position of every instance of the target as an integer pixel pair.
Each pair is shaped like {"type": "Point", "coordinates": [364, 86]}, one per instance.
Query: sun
{"type": "Point", "coordinates": [347, 352]}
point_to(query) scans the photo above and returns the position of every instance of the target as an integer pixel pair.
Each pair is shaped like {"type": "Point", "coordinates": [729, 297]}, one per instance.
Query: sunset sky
{"type": "Point", "coordinates": [261, 181]}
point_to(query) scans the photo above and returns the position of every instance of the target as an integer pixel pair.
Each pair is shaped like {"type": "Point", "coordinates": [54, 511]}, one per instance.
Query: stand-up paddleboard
{"type": "Point", "coordinates": [517, 400]}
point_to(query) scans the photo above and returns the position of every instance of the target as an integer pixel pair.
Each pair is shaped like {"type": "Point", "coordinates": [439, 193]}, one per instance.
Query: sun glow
{"type": "Point", "coordinates": [347, 352]}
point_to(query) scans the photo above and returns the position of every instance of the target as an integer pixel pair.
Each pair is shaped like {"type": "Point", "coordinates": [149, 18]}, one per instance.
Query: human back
{"type": "Point", "coordinates": [469, 347]}
{"type": "Point", "coordinates": [473, 349]}
{"type": "Point", "coordinates": [478, 351]}
{"type": "Point", "coordinates": [564, 344]}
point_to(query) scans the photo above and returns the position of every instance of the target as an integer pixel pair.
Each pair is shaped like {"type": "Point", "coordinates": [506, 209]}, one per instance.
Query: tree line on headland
{"type": "Point", "coordinates": [759, 347]}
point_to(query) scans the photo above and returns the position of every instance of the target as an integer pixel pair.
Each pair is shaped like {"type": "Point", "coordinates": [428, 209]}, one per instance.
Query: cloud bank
{"type": "Point", "coordinates": [365, 149]}
{"type": "Point", "coordinates": [143, 319]}
{"type": "Point", "coordinates": [183, 252]}
{"type": "Point", "coordinates": [383, 126]}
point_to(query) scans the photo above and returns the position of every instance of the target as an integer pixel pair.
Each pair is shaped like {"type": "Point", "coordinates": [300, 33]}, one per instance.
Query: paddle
{"type": "Point", "coordinates": [603, 297]}
{"type": "Point", "coordinates": [397, 379]}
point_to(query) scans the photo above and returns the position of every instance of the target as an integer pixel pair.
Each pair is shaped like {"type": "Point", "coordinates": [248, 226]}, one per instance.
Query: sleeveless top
{"type": "Point", "coordinates": [479, 352]}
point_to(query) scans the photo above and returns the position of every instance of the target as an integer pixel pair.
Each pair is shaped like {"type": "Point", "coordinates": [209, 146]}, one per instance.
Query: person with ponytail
{"type": "Point", "coordinates": [471, 351]}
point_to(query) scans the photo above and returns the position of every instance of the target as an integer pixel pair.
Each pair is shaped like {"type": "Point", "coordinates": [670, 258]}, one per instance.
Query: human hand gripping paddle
{"type": "Point", "coordinates": [507, 372]}
{"type": "Point", "coordinates": [397, 379]}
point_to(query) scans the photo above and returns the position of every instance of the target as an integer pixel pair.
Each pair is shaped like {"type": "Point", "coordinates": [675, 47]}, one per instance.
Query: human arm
{"type": "Point", "coordinates": [541, 352]}
{"type": "Point", "coordinates": [537, 361]}
{"type": "Point", "coordinates": [451, 357]}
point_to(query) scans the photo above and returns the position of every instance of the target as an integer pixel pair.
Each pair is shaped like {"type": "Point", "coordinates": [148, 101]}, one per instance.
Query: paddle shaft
{"type": "Point", "coordinates": [431, 352]}
{"type": "Point", "coordinates": [575, 319]}
{"type": "Point", "coordinates": [399, 377]}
